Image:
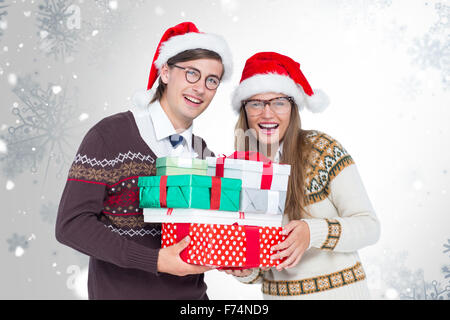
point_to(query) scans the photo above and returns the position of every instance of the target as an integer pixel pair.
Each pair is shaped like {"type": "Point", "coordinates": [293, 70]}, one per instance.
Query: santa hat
{"type": "Point", "coordinates": [274, 72]}
{"type": "Point", "coordinates": [184, 36]}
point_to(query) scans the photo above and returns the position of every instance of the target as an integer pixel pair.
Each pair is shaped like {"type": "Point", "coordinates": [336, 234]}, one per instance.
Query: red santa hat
{"type": "Point", "coordinates": [184, 36]}
{"type": "Point", "coordinates": [274, 72]}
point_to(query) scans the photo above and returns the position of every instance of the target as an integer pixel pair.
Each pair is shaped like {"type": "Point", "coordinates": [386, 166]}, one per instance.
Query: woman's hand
{"type": "Point", "coordinates": [294, 246]}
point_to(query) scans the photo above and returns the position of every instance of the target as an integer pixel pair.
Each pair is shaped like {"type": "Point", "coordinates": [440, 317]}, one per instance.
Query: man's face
{"type": "Point", "coordinates": [186, 101]}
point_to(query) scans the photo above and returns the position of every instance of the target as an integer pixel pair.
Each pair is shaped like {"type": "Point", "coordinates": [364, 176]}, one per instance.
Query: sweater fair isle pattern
{"type": "Point", "coordinates": [99, 215]}
{"type": "Point", "coordinates": [341, 221]}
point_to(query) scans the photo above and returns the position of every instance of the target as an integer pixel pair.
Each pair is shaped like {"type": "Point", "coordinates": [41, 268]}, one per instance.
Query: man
{"type": "Point", "coordinates": [99, 212]}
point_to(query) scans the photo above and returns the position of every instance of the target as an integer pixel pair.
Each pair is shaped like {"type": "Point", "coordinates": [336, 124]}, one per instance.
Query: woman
{"type": "Point", "coordinates": [328, 215]}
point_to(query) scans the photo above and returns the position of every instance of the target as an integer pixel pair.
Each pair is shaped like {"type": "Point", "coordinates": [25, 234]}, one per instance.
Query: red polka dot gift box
{"type": "Point", "coordinates": [226, 246]}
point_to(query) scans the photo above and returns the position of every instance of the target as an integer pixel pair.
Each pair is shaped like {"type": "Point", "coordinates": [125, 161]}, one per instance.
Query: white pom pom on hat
{"type": "Point", "coordinates": [273, 72]}
{"type": "Point", "coordinates": [142, 98]}
{"type": "Point", "coordinates": [318, 102]}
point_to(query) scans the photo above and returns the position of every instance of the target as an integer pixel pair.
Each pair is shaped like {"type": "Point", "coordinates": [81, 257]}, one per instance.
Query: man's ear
{"type": "Point", "coordinates": [164, 74]}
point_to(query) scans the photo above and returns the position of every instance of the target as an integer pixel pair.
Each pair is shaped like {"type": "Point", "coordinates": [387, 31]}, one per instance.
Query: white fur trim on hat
{"type": "Point", "coordinates": [274, 82]}
{"type": "Point", "coordinates": [268, 82]}
{"type": "Point", "coordinates": [194, 40]}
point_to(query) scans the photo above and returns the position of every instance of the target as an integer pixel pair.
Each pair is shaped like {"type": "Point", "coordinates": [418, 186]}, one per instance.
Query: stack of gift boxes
{"type": "Point", "coordinates": [231, 207]}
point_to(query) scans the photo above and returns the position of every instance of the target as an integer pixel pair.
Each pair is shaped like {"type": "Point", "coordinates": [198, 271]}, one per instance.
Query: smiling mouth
{"type": "Point", "coordinates": [268, 126]}
{"type": "Point", "coordinates": [193, 100]}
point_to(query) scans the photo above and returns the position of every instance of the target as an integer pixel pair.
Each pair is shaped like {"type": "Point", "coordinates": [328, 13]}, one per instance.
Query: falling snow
{"type": "Point", "coordinates": [48, 212]}
{"type": "Point", "coordinates": [3, 14]}
{"type": "Point", "coordinates": [17, 244]}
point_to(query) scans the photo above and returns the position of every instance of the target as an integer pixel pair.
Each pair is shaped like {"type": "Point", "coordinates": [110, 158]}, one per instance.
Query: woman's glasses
{"type": "Point", "coordinates": [278, 105]}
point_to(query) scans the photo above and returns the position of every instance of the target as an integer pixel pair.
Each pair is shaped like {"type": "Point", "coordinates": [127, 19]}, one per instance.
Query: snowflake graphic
{"type": "Point", "coordinates": [381, 4]}
{"type": "Point", "coordinates": [446, 271]}
{"type": "Point", "coordinates": [42, 131]}
{"type": "Point", "coordinates": [16, 241]}
{"type": "Point", "coordinates": [410, 87]}
{"type": "Point", "coordinates": [3, 13]}
{"type": "Point", "coordinates": [409, 284]}
{"type": "Point", "coordinates": [447, 247]}
{"type": "Point", "coordinates": [426, 52]}
{"type": "Point", "coordinates": [443, 22]}
{"type": "Point", "coordinates": [57, 38]}
{"type": "Point", "coordinates": [433, 49]}
{"type": "Point", "coordinates": [445, 65]}
{"type": "Point", "coordinates": [48, 212]}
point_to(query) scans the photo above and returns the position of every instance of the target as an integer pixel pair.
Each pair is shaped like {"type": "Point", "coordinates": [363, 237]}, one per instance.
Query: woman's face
{"type": "Point", "coordinates": [269, 122]}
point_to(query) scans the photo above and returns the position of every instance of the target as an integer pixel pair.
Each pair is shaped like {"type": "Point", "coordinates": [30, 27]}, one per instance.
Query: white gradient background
{"type": "Point", "coordinates": [390, 114]}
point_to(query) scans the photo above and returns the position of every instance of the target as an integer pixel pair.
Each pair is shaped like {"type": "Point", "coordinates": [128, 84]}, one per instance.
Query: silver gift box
{"type": "Point", "coordinates": [262, 201]}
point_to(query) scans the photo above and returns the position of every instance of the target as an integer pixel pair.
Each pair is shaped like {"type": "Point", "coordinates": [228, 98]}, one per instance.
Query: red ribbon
{"type": "Point", "coordinates": [267, 174]}
{"type": "Point", "coordinates": [182, 232]}
{"type": "Point", "coordinates": [163, 192]}
{"type": "Point", "coordinates": [220, 162]}
{"type": "Point", "coordinates": [252, 252]}
{"type": "Point", "coordinates": [216, 188]}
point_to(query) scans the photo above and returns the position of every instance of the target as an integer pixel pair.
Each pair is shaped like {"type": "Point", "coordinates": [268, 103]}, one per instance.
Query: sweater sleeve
{"type": "Point", "coordinates": [78, 222]}
{"type": "Point", "coordinates": [356, 225]}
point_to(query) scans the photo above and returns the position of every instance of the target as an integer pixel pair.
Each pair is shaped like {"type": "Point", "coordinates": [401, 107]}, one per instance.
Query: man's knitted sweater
{"type": "Point", "coordinates": [99, 215]}
{"type": "Point", "coordinates": [341, 222]}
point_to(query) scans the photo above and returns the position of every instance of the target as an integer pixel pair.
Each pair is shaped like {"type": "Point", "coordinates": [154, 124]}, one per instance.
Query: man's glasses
{"type": "Point", "coordinates": [278, 105]}
{"type": "Point", "coordinates": [193, 75]}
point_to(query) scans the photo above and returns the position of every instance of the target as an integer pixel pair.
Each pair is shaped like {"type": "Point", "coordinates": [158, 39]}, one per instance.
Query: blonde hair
{"type": "Point", "coordinates": [296, 150]}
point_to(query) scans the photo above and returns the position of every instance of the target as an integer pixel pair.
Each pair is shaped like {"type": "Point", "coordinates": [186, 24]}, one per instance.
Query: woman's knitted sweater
{"type": "Point", "coordinates": [341, 221]}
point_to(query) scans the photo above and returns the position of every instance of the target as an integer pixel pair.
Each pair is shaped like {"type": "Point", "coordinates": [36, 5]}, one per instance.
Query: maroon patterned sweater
{"type": "Point", "coordinates": [99, 215]}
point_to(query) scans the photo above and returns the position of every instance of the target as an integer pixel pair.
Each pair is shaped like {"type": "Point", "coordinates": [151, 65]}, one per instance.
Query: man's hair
{"type": "Point", "coordinates": [187, 55]}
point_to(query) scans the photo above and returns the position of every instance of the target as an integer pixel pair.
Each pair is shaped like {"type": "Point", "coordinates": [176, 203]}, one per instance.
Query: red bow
{"type": "Point", "coordinates": [267, 174]}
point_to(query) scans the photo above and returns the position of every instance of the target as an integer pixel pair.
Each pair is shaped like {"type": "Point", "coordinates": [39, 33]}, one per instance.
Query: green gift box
{"type": "Point", "coordinates": [166, 166]}
{"type": "Point", "coordinates": [189, 191]}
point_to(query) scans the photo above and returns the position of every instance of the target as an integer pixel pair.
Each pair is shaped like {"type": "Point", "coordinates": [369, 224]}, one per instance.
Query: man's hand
{"type": "Point", "coordinates": [241, 273]}
{"type": "Point", "coordinates": [169, 260]}
{"type": "Point", "coordinates": [237, 273]}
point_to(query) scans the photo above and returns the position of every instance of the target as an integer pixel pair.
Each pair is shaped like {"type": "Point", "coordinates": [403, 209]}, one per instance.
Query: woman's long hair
{"type": "Point", "coordinates": [296, 150]}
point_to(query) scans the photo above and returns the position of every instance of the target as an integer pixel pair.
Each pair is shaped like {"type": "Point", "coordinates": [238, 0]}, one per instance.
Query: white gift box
{"type": "Point", "coordinates": [179, 215]}
{"type": "Point", "coordinates": [262, 201]}
{"type": "Point", "coordinates": [251, 172]}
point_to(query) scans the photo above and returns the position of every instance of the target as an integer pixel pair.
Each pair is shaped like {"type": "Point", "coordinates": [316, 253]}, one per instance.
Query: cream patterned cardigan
{"type": "Point", "coordinates": [341, 221]}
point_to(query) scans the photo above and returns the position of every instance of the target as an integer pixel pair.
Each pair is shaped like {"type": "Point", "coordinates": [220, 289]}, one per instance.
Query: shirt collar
{"type": "Point", "coordinates": [279, 153]}
{"type": "Point", "coordinates": [163, 127]}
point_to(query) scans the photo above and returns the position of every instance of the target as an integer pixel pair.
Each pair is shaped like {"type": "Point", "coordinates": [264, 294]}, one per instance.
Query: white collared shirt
{"type": "Point", "coordinates": [155, 128]}
{"type": "Point", "coordinates": [279, 153]}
